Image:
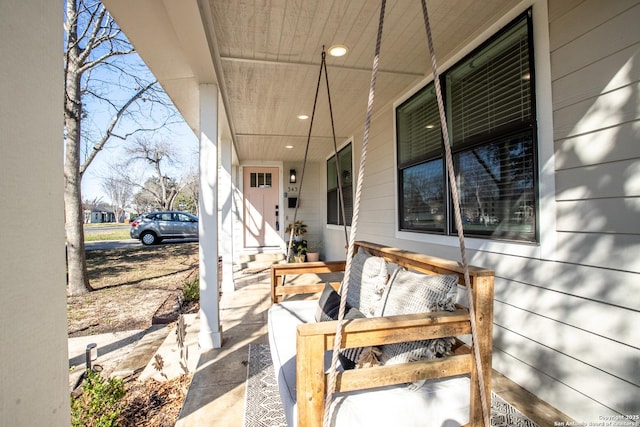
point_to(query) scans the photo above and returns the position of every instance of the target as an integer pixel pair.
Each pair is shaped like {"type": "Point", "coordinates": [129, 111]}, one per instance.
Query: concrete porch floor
{"type": "Point", "coordinates": [216, 396]}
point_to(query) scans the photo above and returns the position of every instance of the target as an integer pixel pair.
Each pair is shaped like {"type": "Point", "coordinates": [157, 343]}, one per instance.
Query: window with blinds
{"type": "Point", "coordinates": [491, 89]}
{"type": "Point", "coordinates": [418, 127]}
{"type": "Point", "coordinates": [490, 111]}
{"type": "Point", "coordinates": [334, 212]}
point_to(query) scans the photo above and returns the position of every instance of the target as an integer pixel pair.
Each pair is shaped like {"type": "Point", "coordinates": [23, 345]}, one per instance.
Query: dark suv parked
{"type": "Point", "coordinates": [153, 227]}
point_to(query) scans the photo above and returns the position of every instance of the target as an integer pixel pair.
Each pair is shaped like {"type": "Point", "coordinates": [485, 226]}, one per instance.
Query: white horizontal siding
{"type": "Point", "coordinates": [577, 42]}
{"type": "Point", "coordinates": [600, 146]}
{"type": "Point", "coordinates": [595, 351]}
{"type": "Point", "coordinates": [597, 78]}
{"type": "Point", "coordinates": [608, 110]}
{"type": "Point", "coordinates": [613, 215]}
{"type": "Point", "coordinates": [571, 19]}
{"type": "Point", "coordinates": [570, 355]}
{"type": "Point", "coordinates": [579, 390]}
{"type": "Point", "coordinates": [603, 285]}
{"type": "Point", "coordinates": [557, 9]}
{"type": "Point", "coordinates": [617, 179]}
{"type": "Point", "coordinates": [589, 316]}
{"type": "Point", "coordinates": [617, 252]}
{"type": "Point", "coordinates": [585, 311]}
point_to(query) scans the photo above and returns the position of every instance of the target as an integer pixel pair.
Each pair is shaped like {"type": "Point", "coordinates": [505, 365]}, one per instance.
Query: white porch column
{"type": "Point", "coordinates": [34, 359]}
{"type": "Point", "coordinates": [226, 215]}
{"type": "Point", "coordinates": [210, 330]}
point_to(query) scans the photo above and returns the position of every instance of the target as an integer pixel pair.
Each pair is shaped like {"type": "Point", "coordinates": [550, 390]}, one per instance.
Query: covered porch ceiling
{"type": "Point", "coordinates": [265, 57]}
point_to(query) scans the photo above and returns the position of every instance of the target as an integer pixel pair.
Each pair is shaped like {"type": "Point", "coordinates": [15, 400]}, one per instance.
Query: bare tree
{"type": "Point", "coordinates": [143, 201]}
{"type": "Point", "coordinates": [156, 155]}
{"type": "Point", "coordinates": [99, 82]}
{"type": "Point", "coordinates": [119, 190]}
{"type": "Point", "coordinates": [189, 195]}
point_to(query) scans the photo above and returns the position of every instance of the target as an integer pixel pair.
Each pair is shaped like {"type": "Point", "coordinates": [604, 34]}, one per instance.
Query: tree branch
{"type": "Point", "coordinates": [101, 12]}
{"type": "Point", "coordinates": [112, 125]}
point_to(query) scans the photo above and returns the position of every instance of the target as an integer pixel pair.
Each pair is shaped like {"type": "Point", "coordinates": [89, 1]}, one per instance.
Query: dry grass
{"type": "Point", "coordinates": [130, 285]}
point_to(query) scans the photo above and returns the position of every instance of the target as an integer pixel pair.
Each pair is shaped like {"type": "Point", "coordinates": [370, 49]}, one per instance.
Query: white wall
{"type": "Point", "coordinates": [596, 92]}
{"type": "Point", "coordinates": [567, 309]}
{"type": "Point", "coordinates": [312, 199]}
{"type": "Point", "coordinates": [34, 378]}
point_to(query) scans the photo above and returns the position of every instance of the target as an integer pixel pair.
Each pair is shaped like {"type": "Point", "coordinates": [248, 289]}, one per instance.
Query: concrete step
{"type": "Point", "coordinates": [258, 260]}
{"type": "Point", "coordinates": [245, 279]}
{"type": "Point", "coordinates": [142, 352]}
{"type": "Point", "coordinates": [120, 353]}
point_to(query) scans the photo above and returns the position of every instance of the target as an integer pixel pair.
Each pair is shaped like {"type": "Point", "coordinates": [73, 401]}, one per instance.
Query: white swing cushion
{"type": "Point", "coordinates": [283, 319]}
{"type": "Point", "coordinates": [436, 403]}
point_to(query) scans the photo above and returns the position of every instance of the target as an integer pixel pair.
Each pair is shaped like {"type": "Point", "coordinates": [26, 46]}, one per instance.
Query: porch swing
{"type": "Point", "coordinates": [398, 326]}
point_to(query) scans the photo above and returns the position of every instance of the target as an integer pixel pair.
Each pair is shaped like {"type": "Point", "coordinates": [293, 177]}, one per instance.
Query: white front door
{"type": "Point", "coordinates": [261, 210]}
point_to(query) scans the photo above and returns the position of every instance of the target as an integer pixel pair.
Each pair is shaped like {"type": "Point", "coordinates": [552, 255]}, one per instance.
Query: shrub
{"type": "Point", "coordinates": [191, 290]}
{"type": "Point", "coordinates": [99, 404]}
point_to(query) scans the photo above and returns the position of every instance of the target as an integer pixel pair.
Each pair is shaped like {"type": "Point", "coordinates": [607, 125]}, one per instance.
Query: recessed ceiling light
{"type": "Point", "coordinates": [338, 50]}
{"type": "Point", "coordinates": [302, 117]}
{"type": "Point", "coordinates": [288, 146]}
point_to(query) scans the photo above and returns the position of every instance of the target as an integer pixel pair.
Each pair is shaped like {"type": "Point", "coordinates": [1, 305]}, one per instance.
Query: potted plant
{"type": "Point", "coordinates": [298, 251]}
{"type": "Point", "coordinates": [313, 252]}
{"type": "Point", "coordinates": [299, 230]}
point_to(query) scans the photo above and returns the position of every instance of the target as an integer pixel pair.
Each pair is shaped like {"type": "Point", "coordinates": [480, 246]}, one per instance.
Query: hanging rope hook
{"type": "Point", "coordinates": [304, 164]}
{"type": "Point", "coordinates": [335, 150]}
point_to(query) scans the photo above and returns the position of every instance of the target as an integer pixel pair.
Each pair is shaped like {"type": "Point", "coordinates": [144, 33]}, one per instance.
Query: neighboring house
{"type": "Point", "coordinates": [99, 214]}
{"type": "Point", "coordinates": [549, 165]}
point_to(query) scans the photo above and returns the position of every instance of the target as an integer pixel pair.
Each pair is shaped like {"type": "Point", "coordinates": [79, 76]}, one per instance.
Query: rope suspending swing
{"type": "Point", "coordinates": [331, 386]}
{"type": "Point", "coordinates": [323, 67]}
{"type": "Point", "coordinates": [356, 210]}
{"type": "Point", "coordinates": [456, 206]}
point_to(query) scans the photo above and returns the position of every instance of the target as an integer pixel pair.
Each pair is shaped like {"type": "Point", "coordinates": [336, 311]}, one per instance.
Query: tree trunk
{"type": "Point", "coordinates": [76, 258]}
{"type": "Point", "coordinates": [78, 280]}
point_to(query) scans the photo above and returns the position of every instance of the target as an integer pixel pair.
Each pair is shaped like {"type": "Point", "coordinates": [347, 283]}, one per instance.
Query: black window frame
{"type": "Point", "coordinates": [334, 215]}
{"type": "Point", "coordinates": [432, 212]}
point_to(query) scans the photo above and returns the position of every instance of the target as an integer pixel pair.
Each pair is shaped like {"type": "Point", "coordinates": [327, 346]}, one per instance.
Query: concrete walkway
{"type": "Point", "coordinates": [217, 392]}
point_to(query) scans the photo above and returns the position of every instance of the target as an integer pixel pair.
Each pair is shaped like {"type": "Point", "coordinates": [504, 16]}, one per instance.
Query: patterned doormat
{"type": "Point", "coordinates": [264, 409]}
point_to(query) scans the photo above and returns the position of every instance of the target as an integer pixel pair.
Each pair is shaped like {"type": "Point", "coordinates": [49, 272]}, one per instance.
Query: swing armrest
{"type": "Point", "coordinates": [314, 339]}
{"type": "Point", "coordinates": [279, 272]}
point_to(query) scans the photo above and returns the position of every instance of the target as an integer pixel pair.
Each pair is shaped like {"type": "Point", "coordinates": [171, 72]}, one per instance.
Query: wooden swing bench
{"type": "Point", "coordinates": [300, 347]}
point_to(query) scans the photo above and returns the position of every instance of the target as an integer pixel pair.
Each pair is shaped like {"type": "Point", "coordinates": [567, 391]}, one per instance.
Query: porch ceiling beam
{"type": "Point", "coordinates": [314, 65]}
{"type": "Point", "coordinates": [338, 137]}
